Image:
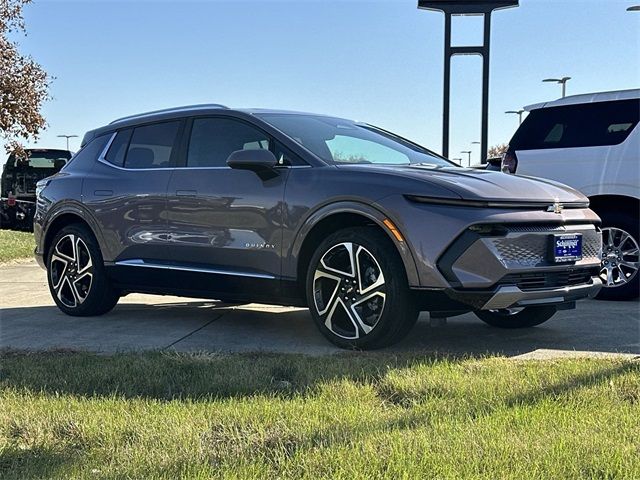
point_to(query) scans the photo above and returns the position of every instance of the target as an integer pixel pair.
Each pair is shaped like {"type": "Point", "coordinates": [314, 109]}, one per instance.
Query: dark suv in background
{"type": "Point", "coordinates": [20, 175]}
{"type": "Point", "coordinates": [362, 226]}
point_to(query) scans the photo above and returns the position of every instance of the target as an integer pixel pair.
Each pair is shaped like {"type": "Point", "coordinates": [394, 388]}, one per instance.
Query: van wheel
{"type": "Point", "coordinates": [516, 317]}
{"type": "Point", "coordinates": [357, 290]}
{"type": "Point", "coordinates": [619, 268]}
{"type": "Point", "coordinates": [76, 274]}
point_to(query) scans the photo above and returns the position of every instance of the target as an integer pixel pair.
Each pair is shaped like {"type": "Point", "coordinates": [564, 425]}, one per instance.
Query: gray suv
{"type": "Point", "coordinates": [364, 227]}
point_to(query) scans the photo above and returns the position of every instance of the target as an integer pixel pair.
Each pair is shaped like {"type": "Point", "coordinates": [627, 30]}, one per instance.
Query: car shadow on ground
{"type": "Point", "coordinates": [217, 327]}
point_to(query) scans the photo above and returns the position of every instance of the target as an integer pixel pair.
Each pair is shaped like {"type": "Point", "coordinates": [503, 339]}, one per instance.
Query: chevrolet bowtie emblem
{"type": "Point", "coordinates": [555, 208]}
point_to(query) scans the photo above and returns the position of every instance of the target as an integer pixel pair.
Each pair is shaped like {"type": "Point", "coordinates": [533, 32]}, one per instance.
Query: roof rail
{"type": "Point", "coordinates": [170, 110]}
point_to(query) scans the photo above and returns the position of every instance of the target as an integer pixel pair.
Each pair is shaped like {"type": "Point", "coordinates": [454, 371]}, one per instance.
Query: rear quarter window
{"type": "Point", "coordinates": [583, 125]}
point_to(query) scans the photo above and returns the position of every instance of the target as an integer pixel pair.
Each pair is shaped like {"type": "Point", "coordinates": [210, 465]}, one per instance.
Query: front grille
{"type": "Point", "coordinates": [529, 248]}
{"type": "Point", "coordinates": [519, 255]}
{"type": "Point", "coordinates": [536, 280]}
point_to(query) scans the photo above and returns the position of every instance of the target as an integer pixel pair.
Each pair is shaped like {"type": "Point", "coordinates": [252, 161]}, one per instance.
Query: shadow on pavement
{"type": "Point", "coordinates": [213, 326]}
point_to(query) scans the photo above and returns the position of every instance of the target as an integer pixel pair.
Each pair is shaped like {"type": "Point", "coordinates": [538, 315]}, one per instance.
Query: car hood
{"type": "Point", "coordinates": [481, 185]}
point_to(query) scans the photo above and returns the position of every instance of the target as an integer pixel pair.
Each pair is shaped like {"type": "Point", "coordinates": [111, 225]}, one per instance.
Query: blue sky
{"type": "Point", "coordinates": [376, 61]}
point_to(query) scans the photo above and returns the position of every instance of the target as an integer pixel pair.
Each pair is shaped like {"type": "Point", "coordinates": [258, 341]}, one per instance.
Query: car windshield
{"type": "Point", "coordinates": [345, 142]}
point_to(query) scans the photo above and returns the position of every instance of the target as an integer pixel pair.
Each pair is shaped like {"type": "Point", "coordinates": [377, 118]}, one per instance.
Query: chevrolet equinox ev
{"type": "Point", "coordinates": [362, 226]}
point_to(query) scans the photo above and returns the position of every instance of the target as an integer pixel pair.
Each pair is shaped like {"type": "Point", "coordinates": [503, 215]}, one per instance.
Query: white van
{"type": "Point", "coordinates": [592, 143]}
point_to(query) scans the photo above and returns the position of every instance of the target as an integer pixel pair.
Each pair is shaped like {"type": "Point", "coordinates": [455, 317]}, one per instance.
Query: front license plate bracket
{"type": "Point", "coordinates": [566, 248]}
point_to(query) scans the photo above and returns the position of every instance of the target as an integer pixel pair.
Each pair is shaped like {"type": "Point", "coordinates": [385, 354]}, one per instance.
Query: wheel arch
{"type": "Point", "coordinates": [62, 218]}
{"type": "Point", "coordinates": [610, 202]}
{"type": "Point", "coordinates": [336, 217]}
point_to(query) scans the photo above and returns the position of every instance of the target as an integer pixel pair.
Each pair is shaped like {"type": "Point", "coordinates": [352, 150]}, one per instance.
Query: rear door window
{"type": "Point", "coordinates": [152, 146]}
{"type": "Point", "coordinates": [583, 125]}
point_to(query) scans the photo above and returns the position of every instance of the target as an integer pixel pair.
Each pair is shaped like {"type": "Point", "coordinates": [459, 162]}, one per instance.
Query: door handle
{"type": "Point", "coordinates": [103, 193]}
{"type": "Point", "coordinates": [186, 193]}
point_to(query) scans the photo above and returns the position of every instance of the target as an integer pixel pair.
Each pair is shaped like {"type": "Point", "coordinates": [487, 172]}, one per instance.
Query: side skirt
{"type": "Point", "coordinates": [198, 281]}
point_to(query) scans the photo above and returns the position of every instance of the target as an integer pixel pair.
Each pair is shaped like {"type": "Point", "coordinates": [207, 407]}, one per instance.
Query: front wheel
{"type": "Point", "coordinates": [357, 290]}
{"type": "Point", "coordinates": [76, 274]}
{"type": "Point", "coordinates": [516, 317]}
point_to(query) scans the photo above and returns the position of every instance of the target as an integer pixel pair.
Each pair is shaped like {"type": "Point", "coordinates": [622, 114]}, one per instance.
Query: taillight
{"type": "Point", "coordinates": [509, 162]}
{"type": "Point", "coordinates": [11, 200]}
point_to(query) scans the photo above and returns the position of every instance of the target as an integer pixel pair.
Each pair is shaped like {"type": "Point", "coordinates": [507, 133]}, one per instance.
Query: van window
{"type": "Point", "coordinates": [583, 125]}
{"type": "Point", "coordinates": [151, 145]}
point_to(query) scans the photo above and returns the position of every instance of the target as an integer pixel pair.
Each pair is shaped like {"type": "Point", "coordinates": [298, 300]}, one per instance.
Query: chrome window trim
{"type": "Point", "coordinates": [138, 262]}
{"type": "Point", "coordinates": [102, 158]}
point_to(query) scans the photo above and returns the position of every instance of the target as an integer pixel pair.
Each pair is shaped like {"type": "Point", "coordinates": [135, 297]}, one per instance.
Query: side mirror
{"type": "Point", "coordinates": [256, 160]}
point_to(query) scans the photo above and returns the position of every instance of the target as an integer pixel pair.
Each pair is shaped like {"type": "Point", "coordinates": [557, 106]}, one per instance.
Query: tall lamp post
{"type": "Point", "coordinates": [468, 152]}
{"type": "Point", "coordinates": [67, 137]}
{"type": "Point", "coordinates": [519, 113]}
{"type": "Point", "coordinates": [452, 8]}
{"type": "Point", "coordinates": [457, 159]}
{"type": "Point", "coordinates": [562, 81]}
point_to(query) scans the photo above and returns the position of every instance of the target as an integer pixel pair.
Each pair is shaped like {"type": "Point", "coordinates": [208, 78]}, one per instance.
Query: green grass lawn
{"type": "Point", "coordinates": [369, 415]}
{"type": "Point", "coordinates": [15, 245]}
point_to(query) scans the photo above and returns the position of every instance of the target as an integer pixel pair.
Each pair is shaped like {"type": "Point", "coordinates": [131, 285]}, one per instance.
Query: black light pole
{"type": "Point", "coordinates": [519, 113]}
{"type": "Point", "coordinates": [562, 81]}
{"type": "Point", "coordinates": [466, 7]}
{"type": "Point", "coordinates": [67, 137]}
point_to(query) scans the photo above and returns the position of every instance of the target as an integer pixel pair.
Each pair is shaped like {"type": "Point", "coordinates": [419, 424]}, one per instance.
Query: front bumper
{"type": "Point", "coordinates": [511, 296]}
{"type": "Point", "coordinates": [510, 266]}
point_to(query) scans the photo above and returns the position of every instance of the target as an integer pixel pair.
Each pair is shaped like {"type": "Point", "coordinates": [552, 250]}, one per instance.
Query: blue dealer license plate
{"type": "Point", "coordinates": [567, 248]}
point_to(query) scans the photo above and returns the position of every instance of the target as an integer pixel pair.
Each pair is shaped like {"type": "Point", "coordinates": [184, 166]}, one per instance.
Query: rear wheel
{"type": "Point", "coordinates": [516, 317]}
{"type": "Point", "coordinates": [357, 290]}
{"type": "Point", "coordinates": [620, 260]}
{"type": "Point", "coordinates": [76, 274]}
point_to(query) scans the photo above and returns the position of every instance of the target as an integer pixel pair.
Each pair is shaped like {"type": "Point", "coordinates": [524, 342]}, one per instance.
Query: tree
{"type": "Point", "coordinates": [24, 85]}
{"type": "Point", "coordinates": [497, 150]}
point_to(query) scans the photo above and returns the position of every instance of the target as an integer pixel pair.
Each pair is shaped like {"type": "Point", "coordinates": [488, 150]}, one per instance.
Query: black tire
{"type": "Point", "coordinates": [387, 312]}
{"type": "Point", "coordinates": [525, 318]}
{"type": "Point", "coordinates": [622, 222]}
{"type": "Point", "coordinates": [71, 288]}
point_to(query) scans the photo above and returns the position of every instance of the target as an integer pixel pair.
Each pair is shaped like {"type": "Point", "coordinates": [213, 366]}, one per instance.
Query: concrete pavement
{"type": "Point", "coordinates": [30, 320]}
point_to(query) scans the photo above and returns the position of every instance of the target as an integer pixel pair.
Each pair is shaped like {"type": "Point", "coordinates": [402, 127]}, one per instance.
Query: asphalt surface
{"type": "Point", "coordinates": [29, 320]}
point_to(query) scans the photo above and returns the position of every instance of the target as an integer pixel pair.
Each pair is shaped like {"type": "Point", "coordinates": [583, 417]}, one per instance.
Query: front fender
{"type": "Point", "coordinates": [369, 211]}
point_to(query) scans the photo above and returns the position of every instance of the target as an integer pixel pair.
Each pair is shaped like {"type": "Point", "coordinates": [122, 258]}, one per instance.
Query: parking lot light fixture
{"type": "Point", "coordinates": [67, 137]}
{"type": "Point", "coordinates": [468, 152]}
{"type": "Point", "coordinates": [562, 81]}
{"type": "Point", "coordinates": [634, 8]}
{"type": "Point", "coordinates": [517, 112]}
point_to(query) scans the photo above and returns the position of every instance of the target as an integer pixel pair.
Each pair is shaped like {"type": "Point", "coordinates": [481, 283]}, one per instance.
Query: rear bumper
{"type": "Point", "coordinates": [17, 215]}
{"type": "Point", "coordinates": [511, 296]}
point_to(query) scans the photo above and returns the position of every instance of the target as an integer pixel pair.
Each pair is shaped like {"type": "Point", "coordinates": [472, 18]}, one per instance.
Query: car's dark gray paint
{"type": "Point", "coordinates": [236, 234]}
